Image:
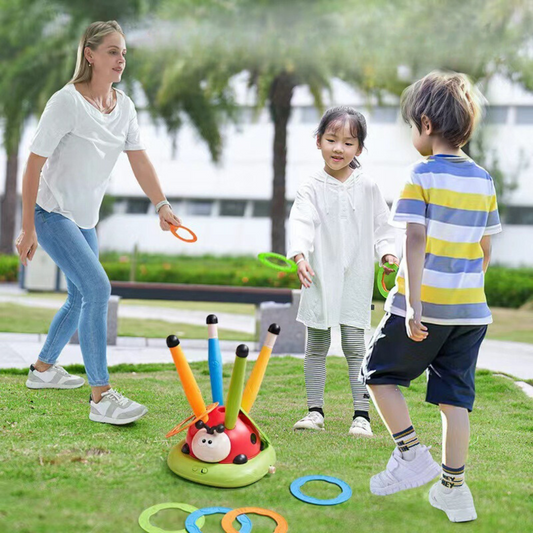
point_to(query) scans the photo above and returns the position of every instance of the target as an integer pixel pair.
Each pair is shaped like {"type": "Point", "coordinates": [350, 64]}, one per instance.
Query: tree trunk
{"type": "Point", "coordinates": [280, 98]}
{"type": "Point", "coordinates": [9, 204]}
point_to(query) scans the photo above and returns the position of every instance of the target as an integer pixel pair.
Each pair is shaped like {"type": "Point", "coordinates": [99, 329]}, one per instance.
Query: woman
{"type": "Point", "coordinates": [84, 128]}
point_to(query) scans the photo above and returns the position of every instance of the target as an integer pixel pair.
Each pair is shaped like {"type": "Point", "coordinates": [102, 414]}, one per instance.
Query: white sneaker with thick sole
{"type": "Point", "coordinates": [56, 377]}
{"type": "Point", "coordinates": [312, 420]}
{"type": "Point", "coordinates": [457, 503]}
{"type": "Point", "coordinates": [116, 409]}
{"type": "Point", "coordinates": [401, 474]}
{"type": "Point", "coordinates": [361, 426]}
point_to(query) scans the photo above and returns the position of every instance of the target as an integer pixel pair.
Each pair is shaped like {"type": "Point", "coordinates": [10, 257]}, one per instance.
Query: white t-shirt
{"type": "Point", "coordinates": [82, 146]}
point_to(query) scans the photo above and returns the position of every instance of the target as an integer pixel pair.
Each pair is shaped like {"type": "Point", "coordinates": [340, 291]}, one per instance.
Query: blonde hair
{"type": "Point", "coordinates": [92, 37]}
{"type": "Point", "coordinates": [449, 100]}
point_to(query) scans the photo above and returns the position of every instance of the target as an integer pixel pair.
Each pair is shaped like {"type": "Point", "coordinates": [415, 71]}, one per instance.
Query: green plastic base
{"type": "Point", "coordinates": [227, 476]}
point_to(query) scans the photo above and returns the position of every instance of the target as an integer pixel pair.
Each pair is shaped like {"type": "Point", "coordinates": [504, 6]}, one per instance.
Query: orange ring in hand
{"type": "Point", "coordinates": [188, 422]}
{"type": "Point", "coordinates": [281, 524]}
{"type": "Point", "coordinates": [174, 230]}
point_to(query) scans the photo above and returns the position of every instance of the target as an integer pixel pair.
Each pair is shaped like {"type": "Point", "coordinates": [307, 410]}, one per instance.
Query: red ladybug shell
{"type": "Point", "coordinates": [244, 437]}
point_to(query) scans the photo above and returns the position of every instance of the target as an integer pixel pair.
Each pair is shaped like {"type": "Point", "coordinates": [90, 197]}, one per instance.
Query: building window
{"type": "Point", "coordinates": [200, 208]}
{"type": "Point", "coordinates": [383, 114]}
{"type": "Point", "coordinates": [136, 206]}
{"type": "Point", "coordinates": [519, 215]}
{"type": "Point", "coordinates": [261, 208]}
{"type": "Point", "coordinates": [524, 114]}
{"type": "Point", "coordinates": [232, 208]}
{"type": "Point", "coordinates": [309, 115]}
{"type": "Point", "coordinates": [496, 114]}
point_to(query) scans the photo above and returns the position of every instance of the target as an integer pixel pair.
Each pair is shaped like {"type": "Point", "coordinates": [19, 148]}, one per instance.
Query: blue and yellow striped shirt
{"type": "Point", "coordinates": [455, 199]}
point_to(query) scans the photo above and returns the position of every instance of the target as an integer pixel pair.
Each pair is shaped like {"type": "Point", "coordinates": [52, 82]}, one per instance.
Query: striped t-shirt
{"type": "Point", "coordinates": [455, 199]}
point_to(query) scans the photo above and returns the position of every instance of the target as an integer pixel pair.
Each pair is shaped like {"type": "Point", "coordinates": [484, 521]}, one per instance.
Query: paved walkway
{"type": "Point", "coordinates": [20, 350]}
{"type": "Point", "coordinates": [243, 323]}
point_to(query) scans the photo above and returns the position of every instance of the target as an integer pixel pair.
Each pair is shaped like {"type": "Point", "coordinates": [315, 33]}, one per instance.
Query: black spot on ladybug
{"type": "Point", "coordinates": [185, 449]}
{"type": "Point", "coordinates": [253, 438]}
{"type": "Point", "coordinates": [240, 459]}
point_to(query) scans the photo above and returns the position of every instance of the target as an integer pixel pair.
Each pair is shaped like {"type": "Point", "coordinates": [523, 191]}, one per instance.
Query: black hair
{"type": "Point", "coordinates": [337, 116]}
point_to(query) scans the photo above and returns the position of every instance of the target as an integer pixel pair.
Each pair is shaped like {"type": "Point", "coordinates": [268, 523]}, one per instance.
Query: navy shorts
{"type": "Point", "coordinates": [449, 354]}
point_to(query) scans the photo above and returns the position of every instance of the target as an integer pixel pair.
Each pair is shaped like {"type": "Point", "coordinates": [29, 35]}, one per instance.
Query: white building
{"type": "Point", "coordinates": [228, 205]}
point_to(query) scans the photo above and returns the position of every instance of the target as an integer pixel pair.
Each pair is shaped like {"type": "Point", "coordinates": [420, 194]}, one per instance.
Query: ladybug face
{"type": "Point", "coordinates": [211, 445]}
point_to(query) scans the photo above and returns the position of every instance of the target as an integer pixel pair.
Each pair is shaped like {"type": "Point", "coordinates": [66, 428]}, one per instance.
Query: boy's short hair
{"type": "Point", "coordinates": [449, 100]}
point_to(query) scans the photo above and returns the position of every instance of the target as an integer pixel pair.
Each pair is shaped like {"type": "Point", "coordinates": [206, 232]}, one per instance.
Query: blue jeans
{"type": "Point", "coordinates": [75, 251]}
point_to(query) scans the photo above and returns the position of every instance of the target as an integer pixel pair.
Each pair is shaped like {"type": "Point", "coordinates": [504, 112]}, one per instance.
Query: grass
{"type": "Point", "coordinates": [61, 472]}
{"type": "Point", "coordinates": [21, 319]}
{"type": "Point", "coordinates": [509, 324]}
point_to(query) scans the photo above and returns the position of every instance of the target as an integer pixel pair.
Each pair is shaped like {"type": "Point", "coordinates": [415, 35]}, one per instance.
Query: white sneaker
{"type": "Point", "coordinates": [401, 474]}
{"type": "Point", "coordinates": [312, 420]}
{"type": "Point", "coordinates": [457, 503]}
{"type": "Point", "coordinates": [114, 408]}
{"type": "Point", "coordinates": [361, 426]}
{"type": "Point", "coordinates": [56, 377]}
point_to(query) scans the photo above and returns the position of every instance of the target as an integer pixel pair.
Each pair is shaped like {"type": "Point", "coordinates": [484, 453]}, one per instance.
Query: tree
{"type": "Point", "coordinates": [282, 45]}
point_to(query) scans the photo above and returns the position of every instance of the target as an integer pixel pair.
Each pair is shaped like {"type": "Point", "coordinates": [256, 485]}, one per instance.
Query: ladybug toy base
{"type": "Point", "coordinates": [221, 475]}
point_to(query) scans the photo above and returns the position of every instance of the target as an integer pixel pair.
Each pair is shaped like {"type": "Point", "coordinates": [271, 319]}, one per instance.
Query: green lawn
{"type": "Point", "coordinates": [62, 473]}
{"type": "Point", "coordinates": [21, 319]}
{"type": "Point", "coordinates": [214, 307]}
{"type": "Point", "coordinates": [509, 324]}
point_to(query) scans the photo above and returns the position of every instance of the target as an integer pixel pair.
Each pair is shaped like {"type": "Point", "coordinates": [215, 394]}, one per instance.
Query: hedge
{"type": "Point", "coordinates": [9, 267]}
{"type": "Point", "coordinates": [505, 287]}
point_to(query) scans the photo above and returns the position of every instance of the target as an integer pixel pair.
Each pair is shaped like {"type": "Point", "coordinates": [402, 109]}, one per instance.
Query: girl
{"type": "Point", "coordinates": [84, 128]}
{"type": "Point", "coordinates": [338, 223]}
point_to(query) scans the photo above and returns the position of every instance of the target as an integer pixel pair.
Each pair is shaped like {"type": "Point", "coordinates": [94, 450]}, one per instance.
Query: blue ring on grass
{"type": "Point", "coordinates": [190, 522]}
{"type": "Point", "coordinates": [344, 496]}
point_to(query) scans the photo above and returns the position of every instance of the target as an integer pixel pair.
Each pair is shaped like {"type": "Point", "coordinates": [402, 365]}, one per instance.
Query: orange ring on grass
{"type": "Point", "coordinates": [174, 230]}
{"type": "Point", "coordinates": [281, 524]}
{"type": "Point", "coordinates": [188, 422]}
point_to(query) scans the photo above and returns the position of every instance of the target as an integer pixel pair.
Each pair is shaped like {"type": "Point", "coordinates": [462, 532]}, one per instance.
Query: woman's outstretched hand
{"type": "Point", "coordinates": [167, 218]}
{"type": "Point", "coordinates": [26, 244]}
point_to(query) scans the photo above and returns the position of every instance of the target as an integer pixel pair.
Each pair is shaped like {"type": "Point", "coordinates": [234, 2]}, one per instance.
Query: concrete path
{"type": "Point", "coordinates": [19, 350]}
{"type": "Point", "coordinates": [243, 323]}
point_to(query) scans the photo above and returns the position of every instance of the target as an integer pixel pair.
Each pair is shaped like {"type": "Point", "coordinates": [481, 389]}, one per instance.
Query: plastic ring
{"type": "Point", "coordinates": [174, 230]}
{"type": "Point", "coordinates": [144, 518]}
{"type": "Point", "coordinates": [188, 422]}
{"type": "Point", "coordinates": [191, 526]}
{"type": "Point", "coordinates": [227, 521]}
{"type": "Point", "coordinates": [382, 288]}
{"type": "Point", "coordinates": [345, 495]}
{"type": "Point", "coordinates": [290, 266]}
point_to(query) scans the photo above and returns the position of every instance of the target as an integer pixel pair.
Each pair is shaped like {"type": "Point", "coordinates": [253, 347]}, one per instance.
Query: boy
{"type": "Point", "coordinates": [437, 315]}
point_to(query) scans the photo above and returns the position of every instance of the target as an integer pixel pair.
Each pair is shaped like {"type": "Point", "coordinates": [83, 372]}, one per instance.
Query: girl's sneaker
{"type": "Point", "coordinates": [56, 377]}
{"type": "Point", "coordinates": [361, 426]}
{"type": "Point", "coordinates": [401, 474]}
{"type": "Point", "coordinates": [114, 408]}
{"type": "Point", "coordinates": [312, 420]}
{"type": "Point", "coordinates": [457, 503]}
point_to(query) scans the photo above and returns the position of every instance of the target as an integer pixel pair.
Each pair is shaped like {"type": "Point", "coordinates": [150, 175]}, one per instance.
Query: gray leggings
{"type": "Point", "coordinates": [353, 346]}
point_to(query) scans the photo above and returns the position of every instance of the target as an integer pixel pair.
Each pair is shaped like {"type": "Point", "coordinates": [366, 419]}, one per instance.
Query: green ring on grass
{"type": "Point", "coordinates": [144, 518]}
{"type": "Point", "coordinates": [290, 267]}
{"type": "Point", "coordinates": [380, 281]}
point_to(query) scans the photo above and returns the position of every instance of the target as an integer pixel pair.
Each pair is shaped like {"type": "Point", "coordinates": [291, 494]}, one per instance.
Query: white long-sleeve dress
{"type": "Point", "coordinates": [342, 229]}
